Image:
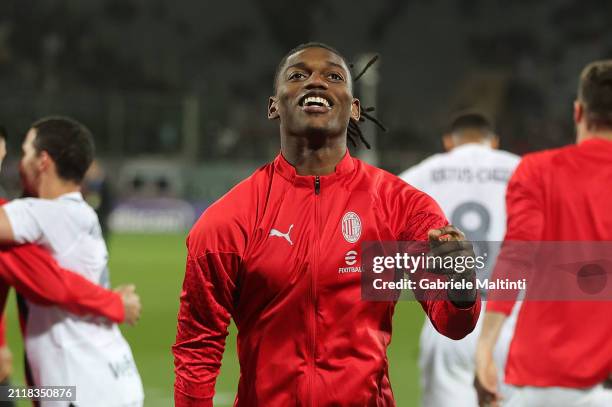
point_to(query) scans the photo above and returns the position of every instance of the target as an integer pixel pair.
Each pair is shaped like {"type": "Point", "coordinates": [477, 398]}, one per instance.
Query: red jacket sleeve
{"type": "Point", "coordinates": [204, 315]}
{"type": "Point", "coordinates": [215, 248]}
{"type": "Point", "coordinates": [37, 276]}
{"type": "Point", "coordinates": [446, 317]}
{"type": "Point", "coordinates": [525, 222]}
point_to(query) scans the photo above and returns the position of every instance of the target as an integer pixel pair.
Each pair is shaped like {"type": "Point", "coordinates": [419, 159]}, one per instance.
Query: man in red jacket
{"type": "Point", "coordinates": [271, 253]}
{"type": "Point", "coordinates": [561, 353]}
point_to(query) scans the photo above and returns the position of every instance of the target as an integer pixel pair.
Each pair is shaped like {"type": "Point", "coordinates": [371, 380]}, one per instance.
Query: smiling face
{"type": "Point", "coordinates": [314, 94]}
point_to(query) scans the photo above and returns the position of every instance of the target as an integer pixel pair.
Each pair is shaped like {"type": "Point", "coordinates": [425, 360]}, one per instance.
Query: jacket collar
{"type": "Point", "coordinates": [596, 142]}
{"type": "Point", "coordinates": [287, 171]}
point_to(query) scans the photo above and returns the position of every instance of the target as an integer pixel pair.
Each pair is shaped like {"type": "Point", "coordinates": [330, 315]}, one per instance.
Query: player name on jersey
{"type": "Point", "coordinates": [466, 174]}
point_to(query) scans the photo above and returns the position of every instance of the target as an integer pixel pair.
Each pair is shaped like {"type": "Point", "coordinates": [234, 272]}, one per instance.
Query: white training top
{"type": "Point", "coordinates": [469, 183]}
{"type": "Point", "coordinates": [64, 349]}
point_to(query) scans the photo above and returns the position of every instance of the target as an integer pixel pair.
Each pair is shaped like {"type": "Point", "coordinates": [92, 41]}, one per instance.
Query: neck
{"type": "Point", "coordinates": [53, 187]}
{"type": "Point", "coordinates": [461, 141]}
{"type": "Point", "coordinates": [313, 157]}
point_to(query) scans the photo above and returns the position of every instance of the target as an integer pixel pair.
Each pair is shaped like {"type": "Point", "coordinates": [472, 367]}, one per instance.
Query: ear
{"type": "Point", "coordinates": [355, 109]}
{"type": "Point", "coordinates": [578, 111]}
{"type": "Point", "coordinates": [273, 108]}
{"type": "Point", "coordinates": [2, 149]}
{"type": "Point", "coordinates": [44, 161]}
{"type": "Point", "coordinates": [447, 142]}
{"type": "Point", "coordinates": [495, 142]}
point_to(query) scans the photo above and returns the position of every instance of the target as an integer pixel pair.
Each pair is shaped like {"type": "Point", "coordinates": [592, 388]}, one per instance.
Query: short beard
{"type": "Point", "coordinates": [28, 190]}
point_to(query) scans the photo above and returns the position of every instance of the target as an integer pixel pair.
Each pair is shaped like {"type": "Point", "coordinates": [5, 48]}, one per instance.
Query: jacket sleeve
{"type": "Point", "coordinates": [448, 319]}
{"type": "Point", "coordinates": [525, 223]}
{"type": "Point", "coordinates": [206, 304]}
{"type": "Point", "coordinates": [38, 277]}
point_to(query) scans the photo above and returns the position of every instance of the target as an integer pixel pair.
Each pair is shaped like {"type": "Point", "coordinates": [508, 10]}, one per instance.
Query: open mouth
{"type": "Point", "coordinates": [315, 104]}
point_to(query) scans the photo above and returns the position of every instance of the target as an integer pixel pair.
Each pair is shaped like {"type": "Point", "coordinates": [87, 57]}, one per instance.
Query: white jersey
{"type": "Point", "coordinates": [469, 183]}
{"type": "Point", "coordinates": [64, 349]}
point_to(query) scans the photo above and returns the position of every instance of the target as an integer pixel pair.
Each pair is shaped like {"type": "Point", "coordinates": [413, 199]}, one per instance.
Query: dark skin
{"type": "Point", "coordinates": [314, 140]}
{"type": "Point", "coordinates": [314, 133]}
{"type": "Point", "coordinates": [451, 242]}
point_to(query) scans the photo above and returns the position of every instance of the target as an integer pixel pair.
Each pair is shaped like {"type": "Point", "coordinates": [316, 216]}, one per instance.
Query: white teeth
{"type": "Point", "coordinates": [316, 99]}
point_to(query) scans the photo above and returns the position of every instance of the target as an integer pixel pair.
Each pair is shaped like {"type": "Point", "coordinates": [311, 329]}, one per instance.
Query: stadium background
{"type": "Point", "coordinates": [176, 92]}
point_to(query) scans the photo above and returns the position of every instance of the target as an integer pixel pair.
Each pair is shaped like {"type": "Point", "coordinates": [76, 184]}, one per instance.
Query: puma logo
{"type": "Point", "coordinates": [277, 233]}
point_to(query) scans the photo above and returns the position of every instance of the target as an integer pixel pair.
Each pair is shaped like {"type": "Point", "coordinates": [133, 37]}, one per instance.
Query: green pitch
{"type": "Point", "coordinates": [155, 263]}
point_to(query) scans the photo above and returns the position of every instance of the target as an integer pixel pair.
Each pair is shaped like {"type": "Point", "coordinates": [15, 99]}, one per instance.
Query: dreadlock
{"type": "Point", "coordinates": [354, 133]}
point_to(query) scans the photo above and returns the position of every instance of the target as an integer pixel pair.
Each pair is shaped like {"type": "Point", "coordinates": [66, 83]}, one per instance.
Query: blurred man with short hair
{"type": "Point", "coordinates": [561, 353]}
{"type": "Point", "coordinates": [63, 349]}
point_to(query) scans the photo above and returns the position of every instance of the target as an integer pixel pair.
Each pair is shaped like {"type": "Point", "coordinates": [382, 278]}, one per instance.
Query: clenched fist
{"type": "Point", "coordinates": [131, 303]}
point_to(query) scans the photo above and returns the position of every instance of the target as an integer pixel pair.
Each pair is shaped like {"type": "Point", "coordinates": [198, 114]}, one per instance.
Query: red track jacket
{"type": "Point", "coordinates": [561, 195]}
{"type": "Point", "coordinates": [268, 255]}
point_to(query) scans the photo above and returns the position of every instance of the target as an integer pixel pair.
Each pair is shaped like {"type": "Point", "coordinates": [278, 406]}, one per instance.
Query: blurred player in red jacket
{"type": "Point", "coordinates": [271, 254]}
{"type": "Point", "coordinates": [562, 350]}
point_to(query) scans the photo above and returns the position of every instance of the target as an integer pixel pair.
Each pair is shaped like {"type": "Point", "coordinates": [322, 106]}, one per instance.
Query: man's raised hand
{"type": "Point", "coordinates": [449, 243]}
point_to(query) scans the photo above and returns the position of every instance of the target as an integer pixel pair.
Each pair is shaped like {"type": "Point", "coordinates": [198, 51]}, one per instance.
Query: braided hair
{"type": "Point", "coordinates": [354, 133]}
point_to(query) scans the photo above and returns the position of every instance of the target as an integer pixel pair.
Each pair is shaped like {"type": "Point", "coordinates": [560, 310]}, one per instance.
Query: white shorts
{"type": "Point", "coordinates": [447, 366]}
{"type": "Point", "coordinates": [558, 397]}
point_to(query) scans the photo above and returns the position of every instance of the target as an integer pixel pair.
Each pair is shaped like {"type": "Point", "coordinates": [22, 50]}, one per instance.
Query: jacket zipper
{"type": "Point", "coordinates": [317, 190]}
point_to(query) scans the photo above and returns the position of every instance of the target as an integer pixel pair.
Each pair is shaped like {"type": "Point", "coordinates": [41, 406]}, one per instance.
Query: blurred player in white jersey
{"type": "Point", "coordinates": [469, 183]}
{"type": "Point", "coordinates": [63, 349]}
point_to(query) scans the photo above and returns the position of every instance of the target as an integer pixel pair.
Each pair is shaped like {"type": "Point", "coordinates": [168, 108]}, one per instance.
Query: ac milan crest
{"type": "Point", "coordinates": [351, 227]}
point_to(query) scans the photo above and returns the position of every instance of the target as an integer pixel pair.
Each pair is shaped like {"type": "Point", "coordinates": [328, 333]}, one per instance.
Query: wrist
{"type": "Point", "coordinates": [118, 313]}
{"type": "Point", "coordinates": [463, 293]}
{"type": "Point", "coordinates": [484, 353]}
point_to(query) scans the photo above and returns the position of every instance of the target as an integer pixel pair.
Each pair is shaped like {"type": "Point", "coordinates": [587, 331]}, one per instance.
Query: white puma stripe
{"type": "Point", "coordinates": [277, 233]}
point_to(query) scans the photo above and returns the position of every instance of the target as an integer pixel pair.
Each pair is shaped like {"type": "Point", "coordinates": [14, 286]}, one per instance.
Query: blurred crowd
{"type": "Point", "coordinates": [146, 76]}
